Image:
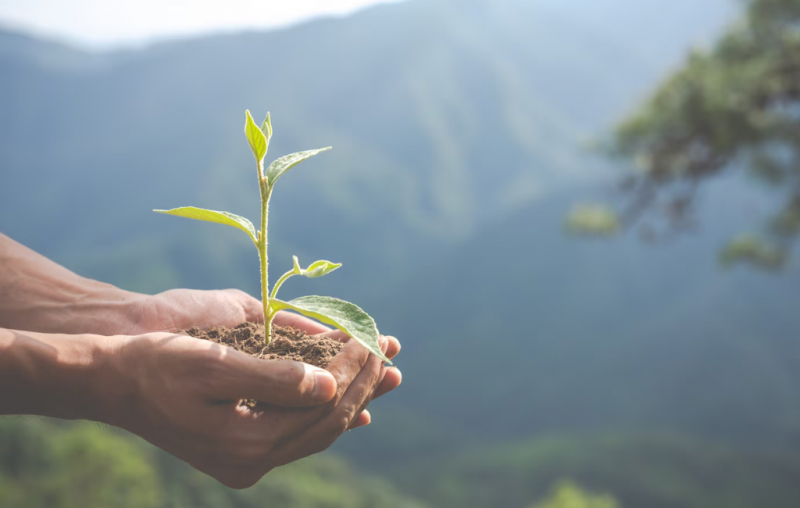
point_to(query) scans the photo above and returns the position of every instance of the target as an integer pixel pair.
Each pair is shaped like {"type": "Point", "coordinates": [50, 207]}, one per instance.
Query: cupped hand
{"type": "Point", "coordinates": [181, 309]}
{"type": "Point", "coordinates": [184, 397]}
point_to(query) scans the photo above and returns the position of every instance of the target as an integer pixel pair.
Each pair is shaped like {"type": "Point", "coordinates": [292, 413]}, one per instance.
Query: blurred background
{"type": "Point", "coordinates": [578, 217]}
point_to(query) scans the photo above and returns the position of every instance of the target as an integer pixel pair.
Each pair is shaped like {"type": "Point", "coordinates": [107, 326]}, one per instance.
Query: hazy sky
{"type": "Point", "coordinates": [103, 23]}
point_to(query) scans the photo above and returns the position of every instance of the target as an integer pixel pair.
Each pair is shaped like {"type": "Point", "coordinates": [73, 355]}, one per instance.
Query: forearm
{"type": "Point", "coordinates": [63, 376]}
{"type": "Point", "coordinates": [40, 295]}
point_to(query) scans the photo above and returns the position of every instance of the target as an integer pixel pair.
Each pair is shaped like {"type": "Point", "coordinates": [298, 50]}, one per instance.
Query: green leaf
{"type": "Point", "coordinates": [345, 316]}
{"type": "Point", "coordinates": [256, 138]}
{"type": "Point", "coordinates": [226, 218]}
{"type": "Point", "coordinates": [287, 162]}
{"type": "Point", "coordinates": [315, 269]}
{"type": "Point", "coordinates": [266, 128]}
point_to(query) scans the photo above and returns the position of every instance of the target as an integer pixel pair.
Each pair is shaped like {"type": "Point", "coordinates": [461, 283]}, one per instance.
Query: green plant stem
{"type": "Point", "coordinates": [262, 252]}
{"type": "Point", "coordinates": [280, 282]}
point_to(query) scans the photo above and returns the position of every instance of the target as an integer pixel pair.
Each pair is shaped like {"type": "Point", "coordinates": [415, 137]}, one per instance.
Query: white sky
{"type": "Point", "coordinates": [111, 23]}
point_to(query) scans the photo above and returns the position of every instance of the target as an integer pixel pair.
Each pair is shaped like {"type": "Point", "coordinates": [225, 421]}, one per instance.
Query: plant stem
{"type": "Point", "coordinates": [262, 252]}
{"type": "Point", "coordinates": [280, 282]}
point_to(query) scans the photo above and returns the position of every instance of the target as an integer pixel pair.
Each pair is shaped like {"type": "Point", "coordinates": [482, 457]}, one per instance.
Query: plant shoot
{"type": "Point", "coordinates": [345, 316]}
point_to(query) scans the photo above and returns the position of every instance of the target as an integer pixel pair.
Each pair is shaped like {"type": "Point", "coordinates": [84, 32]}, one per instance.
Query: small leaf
{"type": "Point", "coordinates": [266, 128]}
{"type": "Point", "coordinates": [226, 218]}
{"type": "Point", "coordinates": [320, 268]}
{"type": "Point", "coordinates": [315, 269]}
{"type": "Point", "coordinates": [256, 138]}
{"type": "Point", "coordinates": [345, 316]}
{"type": "Point", "coordinates": [287, 162]}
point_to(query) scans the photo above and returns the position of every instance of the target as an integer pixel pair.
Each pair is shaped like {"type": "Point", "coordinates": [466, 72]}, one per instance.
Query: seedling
{"type": "Point", "coordinates": [345, 316]}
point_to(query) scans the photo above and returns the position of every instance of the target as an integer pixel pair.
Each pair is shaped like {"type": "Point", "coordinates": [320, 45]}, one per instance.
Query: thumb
{"type": "Point", "coordinates": [280, 382]}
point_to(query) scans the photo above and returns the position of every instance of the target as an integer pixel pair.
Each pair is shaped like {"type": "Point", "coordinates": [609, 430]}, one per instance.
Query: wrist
{"type": "Point", "coordinates": [109, 310]}
{"type": "Point", "coordinates": [61, 376]}
{"type": "Point", "coordinates": [118, 367]}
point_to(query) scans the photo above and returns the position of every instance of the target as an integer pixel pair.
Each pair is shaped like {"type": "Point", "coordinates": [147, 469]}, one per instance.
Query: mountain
{"type": "Point", "coordinates": [444, 115]}
{"type": "Point", "coordinates": [525, 329]}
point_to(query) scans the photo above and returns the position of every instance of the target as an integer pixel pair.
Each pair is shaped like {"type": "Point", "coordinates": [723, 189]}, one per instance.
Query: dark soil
{"type": "Point", "coordinates": [287, 343]}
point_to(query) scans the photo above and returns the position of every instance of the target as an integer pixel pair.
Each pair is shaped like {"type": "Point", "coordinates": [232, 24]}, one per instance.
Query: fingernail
{"type": "Point", "coordinates": [384, 343]}
{"type": "Point", "coordinates": [324, 385]}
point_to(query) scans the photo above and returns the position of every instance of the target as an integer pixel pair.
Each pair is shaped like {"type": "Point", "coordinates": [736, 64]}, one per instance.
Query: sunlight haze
{"type": "Point", "coordinates": [101, 24]}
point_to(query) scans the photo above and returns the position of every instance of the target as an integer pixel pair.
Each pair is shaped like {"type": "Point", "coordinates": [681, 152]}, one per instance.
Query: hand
{"type": "Point", "coordinates": [181, 309]}
{"type": "Point", "coordinates": [185, 393]}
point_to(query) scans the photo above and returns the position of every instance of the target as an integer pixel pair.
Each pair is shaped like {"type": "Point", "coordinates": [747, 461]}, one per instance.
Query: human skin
{"type": "Point", "coordinates": [93, 351]}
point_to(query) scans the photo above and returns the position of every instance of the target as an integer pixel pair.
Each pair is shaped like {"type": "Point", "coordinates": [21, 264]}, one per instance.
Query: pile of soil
{"type": "Point", "coordinates": [288, 343]}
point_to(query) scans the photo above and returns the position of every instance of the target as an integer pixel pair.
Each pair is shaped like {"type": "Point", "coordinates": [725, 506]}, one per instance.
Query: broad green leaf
{"type": "Point", "coordinates": [315, 269]}
{"type": "Point", "coordinates": [345, 316]}
{"type": "Point", "coordinates": [226, 218]}
{"type": "Point", "coordinates": [266, 128]}
{"type": "Point", "coordinates": [287, 162]}
{"type": "Point", "coordinates": [256, 138]}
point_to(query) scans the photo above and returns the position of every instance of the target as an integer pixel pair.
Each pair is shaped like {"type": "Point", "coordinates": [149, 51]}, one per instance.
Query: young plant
{"type": "Point", "coordinates": [345, 316]}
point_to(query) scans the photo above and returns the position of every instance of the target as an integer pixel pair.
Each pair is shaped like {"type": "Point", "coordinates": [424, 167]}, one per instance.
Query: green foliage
{"type": "Point", "coordinates": [343, 315]}
{"type": "Point", "coordinates": [593, 220]}
{"type": "Point", "coordinates": [656, 471]}
{"type": "Point", "coordinates": [732, 107]}
{"type": "Point", "coordinates": [568, 495]}
{"type": "Point", "coordinates": [49, 464]}
{"type": "Point", "coordinates": [79, 467]}
{"type": "Point", "coordinates": [750, 249]}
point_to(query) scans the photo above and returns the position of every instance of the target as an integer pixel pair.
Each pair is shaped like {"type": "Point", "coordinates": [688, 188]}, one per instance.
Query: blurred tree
{"type": "Point", "coordinates": [80, 467]}
{"type": "Point", "coordinates": [52, 464]}
{"type": "Point", "coordinates": [735, 107]}
{"type": "Point", "coordinates": [592, 220]}
{"type": "Point", "coordinates": [568, 495]}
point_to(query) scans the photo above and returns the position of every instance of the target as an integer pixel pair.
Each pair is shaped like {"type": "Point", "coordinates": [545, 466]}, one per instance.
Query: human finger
{"type": "Point", "coordinates": [393, 347]}
{"type": "Point", "coordinates": [363, 419]}
{"type": "Point", "coordinates": [346, 366]}
{"type": "Point", "coordinates": [378, 382]}
{"type": "Point", "coordinates": [391, 380]}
